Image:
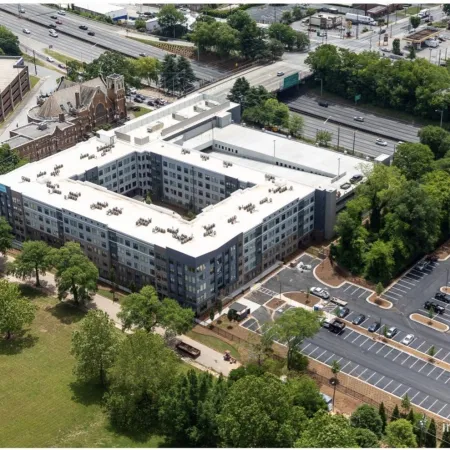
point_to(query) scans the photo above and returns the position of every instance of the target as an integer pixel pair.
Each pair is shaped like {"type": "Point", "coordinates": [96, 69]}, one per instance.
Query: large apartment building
{"type": "Point", "coordinates": [253, 210]}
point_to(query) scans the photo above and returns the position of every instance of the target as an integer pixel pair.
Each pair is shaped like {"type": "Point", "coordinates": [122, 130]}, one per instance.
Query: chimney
{"type": "Point", "coordinates": [77, 100]}
{"type": "Point", "coordinates": [61, 117]}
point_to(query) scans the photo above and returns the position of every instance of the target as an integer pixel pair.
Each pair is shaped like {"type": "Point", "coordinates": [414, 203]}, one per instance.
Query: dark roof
{"type": "Point", "coordinates": [238, 307]}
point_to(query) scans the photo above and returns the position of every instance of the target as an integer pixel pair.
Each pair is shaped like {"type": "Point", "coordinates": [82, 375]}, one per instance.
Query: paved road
{"type": "Point", "coordinates": [373, 124]}
{"type": "Point", "coordinates": [105, 36]}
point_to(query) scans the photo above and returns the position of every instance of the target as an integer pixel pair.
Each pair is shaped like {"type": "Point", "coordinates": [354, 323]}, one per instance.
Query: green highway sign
{"type": "Point", "coordinates": [357, 97]}
{"type": "Point", "coordinates": [291, 80]}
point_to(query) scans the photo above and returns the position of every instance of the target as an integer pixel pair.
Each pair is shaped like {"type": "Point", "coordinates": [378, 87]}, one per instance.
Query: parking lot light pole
{"type": "Point", "coordinates": [442, 114]}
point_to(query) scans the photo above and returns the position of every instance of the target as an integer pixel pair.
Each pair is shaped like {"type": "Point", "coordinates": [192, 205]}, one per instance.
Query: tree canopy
{"type": "Point", "coordinates": [400, 434]}
{"type": "Point", "coordinates": [367, 417]}
{"type": "Point", "coordinates": [169, 17]}
{"type": "Point", "coordinates": [413, 160]}
{"type": "Point", "coordinates": [9, 159]}
{"type": "Point", "coordinates": [9, 42]}
{"type": "Point", "coordinates": [6, 236]}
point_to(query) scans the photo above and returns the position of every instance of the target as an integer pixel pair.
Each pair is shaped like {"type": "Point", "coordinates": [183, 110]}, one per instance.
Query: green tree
{"type": "Point", "coordinates": [148, 198]}
{"type": "Point", "coordinates": [286, 17]}
{"type": "Point", "coordinates": [185, 75]}
{"type": "Point", "coordinates": [239, 20]}
{"type": "Point", "coordinates": [296, 124]}
{"type": "Point", "coordinates": [293, 327]}
{"type": "Point", "coordinates": [446, 8]}
{"type": "Point", "coordinates": [75, 273]}
{"type": "Point", "coordinates": [219, 306]}
{"type": "Point", "coordinates": [32, 261]}
{"type": "Point", "coordinates": [327, 431]}
{"type": "Point", "coordinates": [415, 21]}
{"type": "Point", "coordinates": [168, 75]}
{"type": "Point", "coordinates": [250, 369]}
{"type": "Point", "coordinates": [169, 17]}
{"type": "Point", "coordinates": [324, 137]}
{"type": "Point", "coordinates": [6, 236]}
{"type": "Point", "coordinates": [379, 289]}
{"type": "Point", "coordinates": [406, 405]}
{"type": "Point", "coordinates": [335, 370]}
{"type": "Point", "coordinates": [302, 42]}
{"type": "Point", "coordinates": [239, 90]}
{"type": "Point", "coordinates": [379, 262]}
{"type": "Point", "coordinates": [396, 46]}
{"type": "Point", "coordinates": [145, 311]}
{"type": "Point", "coordinates": [414, 160]}
{"type": "Point", "coordinates": [144, 369]}
{"type": "Point", "coordinates": [366, 416]}
{"type": "Point", "coordinates": [15, 311]}
{"type": "Point", "coordinates": [226, 39]}
{"type": "Point", "coordinates": [383, 416]}
{"type": "Point", "coordinates": [262, 345]}
{"type": "Point", "coordinates": [366, 438]}
{"type": "Point", "coordinates": [431, 352]}
{"type": "Point", "coordinates": [188, 411]}
{"type": "Point", "coordinates": [306, 394]}
{"type": "Point", "coordinates": [395, 414]}
{"type": "Point", "coordinates": [410, 417]}
{"type": "Point", "coordinates": [252, 40]}
{"type": "Point", "coordinates": [297, 13]}
{"type": "Point", "coordinates": [283, 33]}
{"type": "Point", "coordinates": [211, 314]}
{"type": "Point", "coordinates": [94, 346]}
{"type": "Point", "coordinates": [258, 412]}
{"type": "Point", "coordinates": [9, 42]}
{"type": "Point", "coordinates": [139, 24]}
{"type": "Point", "coordinates": [9, 159]}
{"type": "Point", "coordinates": [434, 137]}
{"type": "Point", "coordinates": [430, 437]}
{"type": "Point", "coordinates": [445, 441]}
{"type": "Point", "coordinates": [311, 11]}
{"type": "Point", "coordinates": [148, 68]}
{"type": "Point", "coordinates": [400, 434]}
{"type": "Point", "coordinates": [276, 113]}
{"type": "Point", "coordinates": [412, 52]}
{"type": "Point", "coordinates": [275, 48]}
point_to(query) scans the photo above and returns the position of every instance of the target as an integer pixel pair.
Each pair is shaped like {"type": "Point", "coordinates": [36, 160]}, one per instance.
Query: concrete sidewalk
{"type": "Point", "coordinates": [209, 360]}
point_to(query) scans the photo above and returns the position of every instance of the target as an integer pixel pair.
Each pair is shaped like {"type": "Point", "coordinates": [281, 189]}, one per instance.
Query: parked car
{"type": "Point", "coordinates": [52, 25]}
{"type": "Point", "coordinates": [301, 265]}
{"type": "Point", "coordinates": [374, 327]}
{"type": "Point", "coordinates": [391, 332]}
{"type": "Point", "coordinates": [434, 307]}
{"type": "Point", "coordinates": [381, 142]}
{"type": "Point", "coordinates": [280, 74]}
{"type": "Point", "coordinates": [323, 103]}
{"type": "Point", "coordinates": [132, 91]}
{"type": "Point", "coordinates": [83, 27]}
{"type": "Point", "coordinates": [151, 103]}
{"type": "Point", "coordinates": [442, 297]}
{"type": "Point", "coordinates": [431, 258]}
{"type": "Point", "coordinates": [358, 320]}
{"type": "Point", "coordinates": [142, 97]}
{"type": "Point", "coordinates": [422, 265]}
{"type": "Point", "coordinates": [358, 119]}
{"type": "Point", "coordinates": [382, 31]}
{"type": "Point", "coordinates": [135, 108]}
{"type": "Point", "coordinates": [91, 33]}
{"type": "Point", "coordinates": [138, 99]}
{"type": "Point", "coordinates": [26, 31]}
{"type": "Point", "coordinates": [408, 339]}
{"type": "Point", "coordinates": [343, 312]}
{"type": "Point", "coordinates": [50, 59]}
{"type": "Point", "coordinates": [356, 178]}
{"type": "Point", "coordinates": [322, 293]}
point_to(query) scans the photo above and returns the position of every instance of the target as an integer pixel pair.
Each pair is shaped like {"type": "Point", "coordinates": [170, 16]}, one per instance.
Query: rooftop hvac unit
{"type": "Point", "coordinates": [42, 126]}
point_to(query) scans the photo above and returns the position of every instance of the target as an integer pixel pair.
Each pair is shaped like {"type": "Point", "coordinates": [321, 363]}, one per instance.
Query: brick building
{"type": "Point", "coordinates": [66, 116]}
{"type": "Point", "coordinates": [14, 83]}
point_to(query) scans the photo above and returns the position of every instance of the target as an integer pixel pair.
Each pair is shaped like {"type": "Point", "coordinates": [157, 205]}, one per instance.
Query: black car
{"type": "Point", "coordinates": [142, 54]}
{"type": "Point", "coordinates": [358, 320]}
{"type": "Point", "coordinates": [138, 100]}
{"type": "Point", "coordinates": [151, 103]}
{"type": "Point", "coordinates": [431, 258]}
{"type": "Point", "coordinates": [374, 327]}
{"type": "Point", "coordinates": [142, 97]}
{"type": "Point", "coordinates": [442, 297]}
{"type": "Point", "coordinates": [435, 307]}
{"type": "Point", "coordinates": [83, 27]}
{"type": "Point", "coordinates": [52, 25]}
{"type": "Point", "coordinates": [356, 178]}
{"type": "Point", "coordinates": [91, 33]}
{"type": "Point", "coordinates": [427, 305]}
{"type": "Point", "coordinates": [53, 17]}
{"type": "Point", "coordinates": [343, 312]}
{"type": "Point", "coordinates": [323, 103]}
{"type": "Point", "coordinates": [136, 108]}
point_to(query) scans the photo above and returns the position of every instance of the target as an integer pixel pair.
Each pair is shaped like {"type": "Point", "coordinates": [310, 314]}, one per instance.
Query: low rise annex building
{"type": "Point", "coordinates": [254, 206]}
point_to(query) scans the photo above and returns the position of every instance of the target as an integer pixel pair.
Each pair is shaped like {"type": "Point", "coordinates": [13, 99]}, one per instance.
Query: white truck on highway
{"type": "Point", "coordinates": [356, 18]}
{"type": "Point", "coordinates": [424, 13]}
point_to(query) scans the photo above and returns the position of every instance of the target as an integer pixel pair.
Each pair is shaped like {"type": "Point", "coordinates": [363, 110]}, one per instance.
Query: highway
{"type": "Point", "coordinates": [106, 37]}
{"type": "Point", "coordinates": [378, 126]}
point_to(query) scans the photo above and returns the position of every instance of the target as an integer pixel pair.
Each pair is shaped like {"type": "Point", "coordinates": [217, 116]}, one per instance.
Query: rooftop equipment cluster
{"type": "Point", "coordinates": [114, 211]}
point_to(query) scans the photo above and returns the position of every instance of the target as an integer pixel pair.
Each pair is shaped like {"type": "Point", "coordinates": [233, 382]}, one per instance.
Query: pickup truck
{"type": "Point", "coordinates": [334, 325]}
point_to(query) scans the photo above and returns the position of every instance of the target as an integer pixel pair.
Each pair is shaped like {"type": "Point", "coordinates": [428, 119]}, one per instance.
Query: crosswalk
{"type": "Point", "coordinates": [268, 292]}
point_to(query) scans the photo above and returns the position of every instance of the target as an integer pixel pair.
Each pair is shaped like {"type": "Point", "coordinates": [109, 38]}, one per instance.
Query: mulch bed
{"type": "Point", "coordinates": [379, 301]}
{"type": "Point", "coordinates": [444, 250]}
{"type": "Point", "coordinates": [301, 297]}
{"type": "Point", "coordinates": [431, 323]}
{"type": "Point", "coordinates": [334, 275]}
{"type": "Point", "coordinates": [275, 303]}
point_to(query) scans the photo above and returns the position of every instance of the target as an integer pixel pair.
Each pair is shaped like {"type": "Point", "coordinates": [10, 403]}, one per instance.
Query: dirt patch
{"type": "Point", "coordinates": [445, 290]}
{"type": "Point", "coordinates": [334, 275]}
{"type": "Point", "coordinates": [375, 300]}
{"type": "Point", "coordinates": [301, 297]}
{"type": "Point", "coordinates": [443, 251]}
{"type": "Point", "coordinates": [275, 303]}
{"type": "Point", "coordinates": [438, 326]}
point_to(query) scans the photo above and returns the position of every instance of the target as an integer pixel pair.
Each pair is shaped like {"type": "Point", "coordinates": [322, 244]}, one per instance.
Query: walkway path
{"type": "Point", "coordinates": [209, 359]}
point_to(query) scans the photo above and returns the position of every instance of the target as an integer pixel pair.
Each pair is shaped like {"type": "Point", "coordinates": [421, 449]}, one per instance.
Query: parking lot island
{"type": "Point", "coordinates": [438, 326]}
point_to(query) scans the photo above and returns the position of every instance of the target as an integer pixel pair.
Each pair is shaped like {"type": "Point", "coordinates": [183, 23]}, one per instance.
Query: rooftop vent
{"type": "Point", "coordinates": [232, 220]}
{"type": "Point", "coordinates": [42, 126]}
{"type": "Point", "coordinates": [58, 166]}
{"type": "Point", "coordinates": [143, 222]}
{"type": "Point", "coordinates": [99, 205]}
{"type": "Point", "coordinates": [41, 174]}
{"type": "Point", "coordinates": [26, 179]}
{"type": "Point", "coordinates": [185, 152]}
{"type": "Point", "coordinates": [158, 230]}
{"type": "Point", "coordinates": [114, 211]}
{"type": "Point", "coordinates": [204, 157]}
{"type": "Point", "coordinates": [227, 164]}
{"type": "Point", "coordinates": [84, 155]}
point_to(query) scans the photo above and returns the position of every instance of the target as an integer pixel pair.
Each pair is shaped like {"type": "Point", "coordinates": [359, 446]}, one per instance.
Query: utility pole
{"type": "Point", "coordinates": [274, 158]}
{"type": "Point", "coordinates": [339, 132]}
{"type": "Point", "coordinates": [354, 139]}
{"type": "Point", "coordinates": [34, 61]}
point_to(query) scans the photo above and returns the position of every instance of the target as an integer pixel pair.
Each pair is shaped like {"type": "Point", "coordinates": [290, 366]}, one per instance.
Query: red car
{"type": "Point", "coordinates": [59, 22]}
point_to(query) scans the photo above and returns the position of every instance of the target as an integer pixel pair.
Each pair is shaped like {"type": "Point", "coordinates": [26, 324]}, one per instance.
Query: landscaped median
{"type": "Point", "coordinates": [380, 302]}
{"type": "Point", "coordinates": [438, 326]}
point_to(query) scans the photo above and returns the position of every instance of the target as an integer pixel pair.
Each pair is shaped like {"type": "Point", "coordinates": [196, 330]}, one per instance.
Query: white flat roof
{"type": "Point", "coordinates": [7, 71]}
{"type": "Point", "coordinates": [100, 7]}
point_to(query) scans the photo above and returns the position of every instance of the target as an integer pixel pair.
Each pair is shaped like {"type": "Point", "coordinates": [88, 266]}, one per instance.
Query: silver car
{"type": "Point", "coordinates": [408, 339]}
{"type": "Point", "coordinates": [322, 293]}
{"type": "Point", "coordinates": [381, 142]}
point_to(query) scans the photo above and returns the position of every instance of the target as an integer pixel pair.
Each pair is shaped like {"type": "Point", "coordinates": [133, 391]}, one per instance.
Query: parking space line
{"type": "Point", "coordinates": [373, 375]}
{"type": "Point", "coordinates": [441, 409]}
{"type": "Point", "coordinates": [364, 321]}
{"type": "Point", "coordinates": [303, 349]}
{"type": "Point", "coordinates": [340, 359]}
{"type": "Point", "coordinates": [439, 376]}
{"type": "Point", "coordinates": [404, 393]}
{"type": "Point", "coordinates": [353, 369]}
{"type": "Point", "coordinates": [321, 354]}
{"type": "Point", "coordinates": [346, 365]}
{"type": "Point", "coordinates": [417, 393]}
{"type": "Point", "coordinates": [401, 353]}
{"type": "Point", "coordinates": [389, 296]}
{"type": "Point", "coordinates": [348, 335]}
{"type": "Point", "coordinates": [428, 374]}
{"type": "Point", "coordinates": [428, 350]}
{"type": "Point", "coordinates": [388, 352]}
{"type": "Point", "coordinates": [412, 276]}
{"type": "Point", "coordinates": [404, 281]}
{"type": "Point", "coordinates": [437, 352]}
{"type": "Point", "coordinates": [364, 341]}
{"type": "Point", "coordinates": [397, 387]}
{"type": "Point", "coordinates": [423, 366]}
{"type": "Point", "coordinates": [383, 346]}
{"type": "Point", "coordinates": [375, 343]}
{"type": "Point", "coordinates": [393, 293]}
{"type": "Point", "coordinates": [387, 385]}
{"type": "Point", "coordinates": [348, 287]}
{"type": "Point", "coordinates": [360, 295]}
{"type": "Point", "coordinates": [329, 358]}
{"type": "Point", "coordinates": [379, 381]}
{"type": "Point", "coordinates": [359, 335]}
{"type": "Point", "coordinates": [446, 355]}
{"type": "Point", "coordinates": [361, 374]}
{"type": "Point", "coordinates": [423, 400]}
{"type": "Point", "coordinates": [447, 380]}
{"type": "Point", "coordinates": [398, 289]}
{"type": "Point", "coordinates": [356, 290]}
{"type": "Point", "coordinates": [414, 363]}
{"type": "Point", "coordinates": [421, 345]}
{"type": "Point", "coordinates": [429, 409]}
{"type": "Point", "coordinates": [409, 356]}
{"type": "Point", "coordinates": [401, 281]}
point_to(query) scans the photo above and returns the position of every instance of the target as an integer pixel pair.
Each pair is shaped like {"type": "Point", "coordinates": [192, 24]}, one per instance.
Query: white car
{"type": "Point", "coordinates": [61, 12]}
{"type": "Point", "coordinates": [26, 31]}
{"type": "Point", "coordinates": [381, 142]}
{"type": "Point", "coordinates": [408, 339]}
{"type": "Point", "coordinates": [322, 293]}
{"type": "Point", "coordinates": [280, 74]}
{"type": "Point", "coordinates": [50, 59]}
{"type": "Point", "coordinates": [302, 266]}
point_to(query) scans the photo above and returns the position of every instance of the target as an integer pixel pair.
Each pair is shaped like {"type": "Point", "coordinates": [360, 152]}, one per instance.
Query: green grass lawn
{"type": "Point", "coordinates": [108, 294]}
{"type": "Point", "coordinates": [59, 56]}
{"type": "Point", "coordinates": [215, 343]}
{"type": "Point", "coordinates": [413, 10]}
{"type": "Point", "coordinates": [141, 112]}
{"type": "Point", "coordinates": [41, 403]}
{"type": "Point", "coordinates": [33, 80]}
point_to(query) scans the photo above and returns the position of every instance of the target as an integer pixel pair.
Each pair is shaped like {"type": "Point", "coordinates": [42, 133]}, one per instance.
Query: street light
{"type": "Point", "coordinates": [442, 114]}
{"type": "Point", "coordinates": [321, 85]}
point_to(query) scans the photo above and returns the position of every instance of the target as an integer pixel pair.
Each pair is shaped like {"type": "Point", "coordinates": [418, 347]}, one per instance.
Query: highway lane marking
{"type": "Point", "coordinates": [417, 393]}
{"type": "Point", "coordinates": [428, 374]}
{"type": "Point", "coordinates": [387, 385]}
{"type": "Point", "coordinates": [397, 387]}
{"type": "Point", "coordinates": [414, 363]}
{"type": "Point", "coordinates": [353, 369]}
{"type": "Point", "coordinates": [329, 358]}
{"type": "Point", "coordinates": [429, 408]}
{"type": "Point", "coordinates": [375, 343]}
{"type": "Point", "coordinates": [362, 373]}
{"type": "Point", "coordinates": [379, 380]}
{"type": "Point", "coordinates": [409, 356]}
{"type": "Point", "coordinates": [388, 352]}
{"type": "Point", "coordinates": [423, 400]}
{"type": "Point", "coordinates": [321, 354]}
{"type": "Point", "coordinates": [365, 341]}
{"type": "Point", "coordinates": [373, 375]}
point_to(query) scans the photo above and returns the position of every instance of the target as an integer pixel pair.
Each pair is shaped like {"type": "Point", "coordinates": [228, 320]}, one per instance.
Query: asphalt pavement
{"type": "Point", "coordinates": [105, 37]}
